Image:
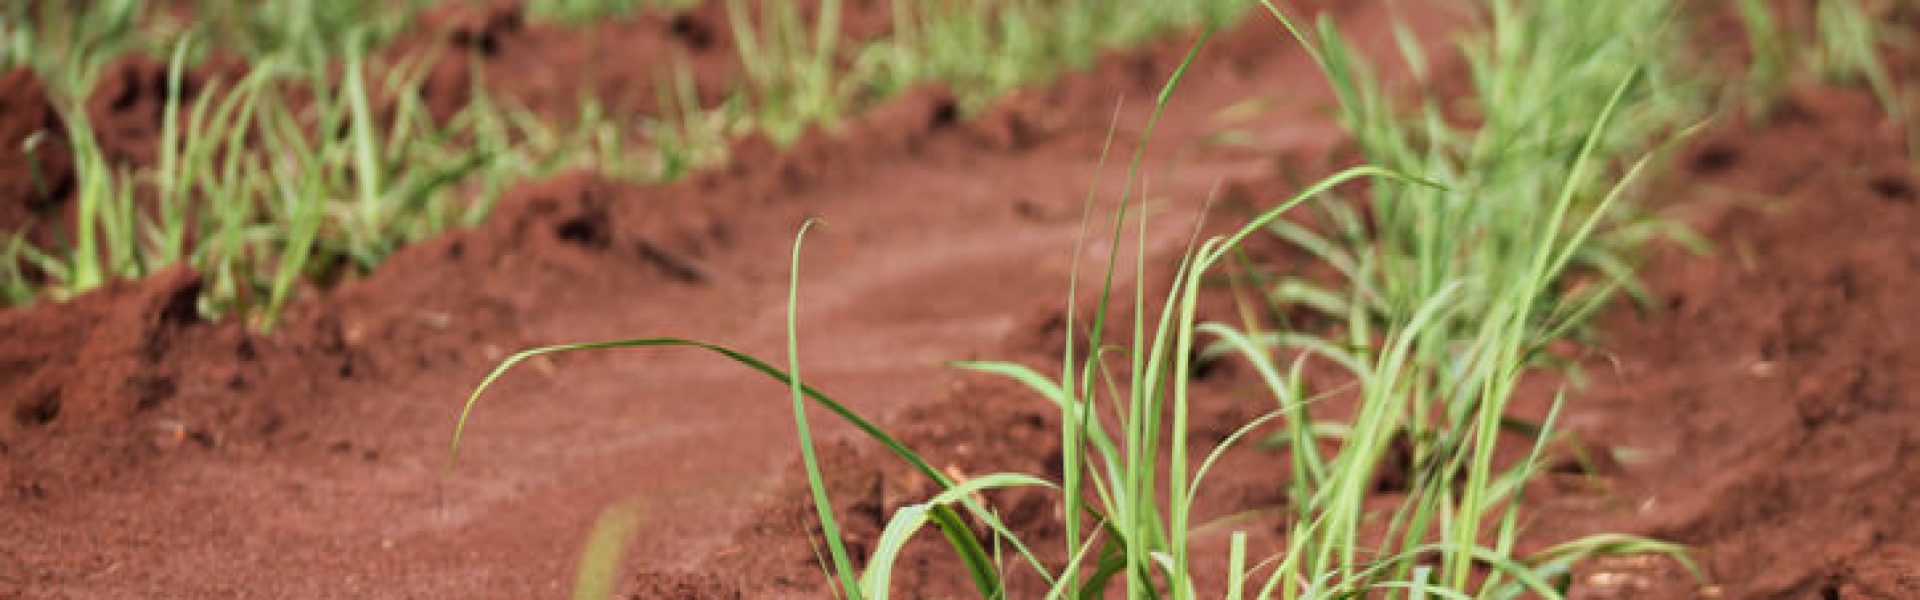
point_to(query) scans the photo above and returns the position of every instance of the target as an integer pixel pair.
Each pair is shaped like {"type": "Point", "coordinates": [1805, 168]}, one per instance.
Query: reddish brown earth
{"type": "Point", "coordinates": [551, 68]}
{"type": "Point", "coordinates": [147, 454]}
{"type": "Point", "coordinates": [1768, 408]}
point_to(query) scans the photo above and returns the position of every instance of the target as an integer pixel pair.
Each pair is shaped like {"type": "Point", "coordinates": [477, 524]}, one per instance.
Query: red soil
{"type": "Point", "coordinates": [552, 69]}
{"type": "Point", "coordinates": [1766, 405]}
{"type": "Point", "coordinates": [146, 453]}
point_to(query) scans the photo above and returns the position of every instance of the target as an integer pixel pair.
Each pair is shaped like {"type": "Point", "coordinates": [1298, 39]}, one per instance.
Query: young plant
{"type": "Point", "coordinates": [986, 48]}
{"type": "Point", "coordinates": [289, 172]}
{"type": "Point", "coordinates": [1452, 291]}
{"type": "Point", "coordinates": [69, 44]}
{"type": "Point", "coordinates": [1770, 66]}
{"type": "Point", "coordinates": [943, 511]}
{"type": "Point", "coordinates": [311, 33]}
{"type": "Point", "coordinates": [1470, 238]}
{"type": "Point", "coordinates": [791, 71]}
{"type": "Point", "coordinates": [1843, 47]}
{"type": "Point", "coordinates": [1848, 49]}
{"type": "Point", "coordinates": [585, 11]}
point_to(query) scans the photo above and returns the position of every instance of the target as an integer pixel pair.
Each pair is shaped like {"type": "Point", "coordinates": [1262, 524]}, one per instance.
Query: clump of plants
{"type": "Point", "coordinates": [317, 160]}
{"type": "Point", "coordinates": [262, 224]}
{"type": "Point", "coordinates": [1832, 41]}
{"type": "Point", "coordinates": [1448, 303]}
{"type": "Point", "coordinates": [247, 189]}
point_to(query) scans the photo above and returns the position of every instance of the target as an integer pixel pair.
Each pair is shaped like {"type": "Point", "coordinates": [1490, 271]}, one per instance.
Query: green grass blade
{"type": "Point", "coordinates": [909, 519]}
{"type": "Point", "coordinates": [836, 546]}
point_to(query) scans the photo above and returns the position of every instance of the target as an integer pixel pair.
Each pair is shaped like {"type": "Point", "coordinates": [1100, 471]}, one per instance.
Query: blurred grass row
{"type": "Point", "coordinates": [246, 191]}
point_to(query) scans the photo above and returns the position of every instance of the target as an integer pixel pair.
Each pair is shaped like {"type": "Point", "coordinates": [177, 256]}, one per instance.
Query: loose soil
{"type": "Point", "coordinates": [1763, 414]}
{"type": "Point", "coordinates": [1758, 415]}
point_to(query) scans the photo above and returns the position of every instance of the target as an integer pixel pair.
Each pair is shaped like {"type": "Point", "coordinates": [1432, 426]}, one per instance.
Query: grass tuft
{"type": "Point", "coordinates": [1455, 282]}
